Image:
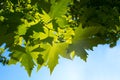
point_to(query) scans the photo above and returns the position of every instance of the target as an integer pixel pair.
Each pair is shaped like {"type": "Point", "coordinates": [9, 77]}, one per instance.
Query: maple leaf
{"type": "Point", "coordinates": [85, 39]}
{"type": "Point", "coordinates": [27, 62]}
{"type": "Point", "coordinates": [59, 7]}
{"type": "Point", "coordinates": [52, 52]}
{"type": "Point", "coordinates": [19, 54]}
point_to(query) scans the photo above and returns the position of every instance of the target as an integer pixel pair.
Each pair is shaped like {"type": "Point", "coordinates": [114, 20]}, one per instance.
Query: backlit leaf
{"type": "Point", "coordinates": [27, 62]}
{"type": "Point", "coordinates": [59, 7]}
{"type": "Point", "coordinates": [85, 39]}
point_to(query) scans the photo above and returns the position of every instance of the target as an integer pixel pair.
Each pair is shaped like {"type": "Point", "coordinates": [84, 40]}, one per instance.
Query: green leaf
{"type": "Point", "coordinates": [16, 55]}
{"type": "Point", "coordinates": [85, 39]}
{"type": "Point", "coordinates": [79, 51]}
{"type": "Point", "coordinates": [48, 40]}
{"type": "Point", "coordinates": [40, 60]}
{"type": "Point", "coordinates": [87, 33]}
{"type": "Point", "coordinates": [31, 28]}
{"type": "Point", "coordinates": [62, 22]}
{"type": "Point", "coordinates": [19, 54]}
{"type": "Point", "coordinates": [22, 29]}
{"type": "Point", "coordinates": [39, 35]}
{"type": "Point", "coordinates": [38, 27]}
{"type": "Point", "coordinates": [62, 49]}
{"type": "Point", "coordinates": [28, 63]}
{"type": "Point", "coordinates": [45, 17]}
{"type": "Point", "coordinates": [59, 8]}
{"type": "Point", "coordinates": [51, 54]}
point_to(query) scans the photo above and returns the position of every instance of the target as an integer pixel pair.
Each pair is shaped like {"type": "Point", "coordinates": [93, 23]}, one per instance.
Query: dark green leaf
{"type": "Point", "coordinates": [40, 60]}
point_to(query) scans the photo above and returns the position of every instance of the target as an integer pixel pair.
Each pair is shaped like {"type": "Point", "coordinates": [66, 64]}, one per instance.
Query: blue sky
{"type": "Point", "coordinates": [102, 64]}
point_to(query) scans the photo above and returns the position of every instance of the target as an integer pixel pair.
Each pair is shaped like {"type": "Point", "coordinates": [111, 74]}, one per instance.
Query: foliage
{"type": "Point", "coordinates": [37, 32]}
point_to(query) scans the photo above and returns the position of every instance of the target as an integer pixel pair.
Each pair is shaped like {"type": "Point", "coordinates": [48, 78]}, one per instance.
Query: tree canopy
{"type": "Point", "coordinates": [38, 32]}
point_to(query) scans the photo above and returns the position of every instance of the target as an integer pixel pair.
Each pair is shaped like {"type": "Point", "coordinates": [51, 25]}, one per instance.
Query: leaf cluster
{"type": "Point", "coordinates": [37, 32]}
